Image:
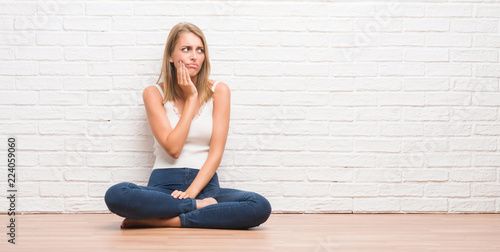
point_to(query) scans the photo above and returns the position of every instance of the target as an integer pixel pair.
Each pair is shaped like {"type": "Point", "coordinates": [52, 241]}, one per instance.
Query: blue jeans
{"type": "Point", "coordinates": [235, 209]}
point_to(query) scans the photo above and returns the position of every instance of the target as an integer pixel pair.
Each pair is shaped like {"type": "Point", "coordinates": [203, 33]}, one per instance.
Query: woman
{"type": "Point", "coordinates": [189, 118]}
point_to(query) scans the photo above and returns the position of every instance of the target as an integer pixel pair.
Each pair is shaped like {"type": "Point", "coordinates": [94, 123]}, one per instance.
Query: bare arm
{"type": "Point", "coordinates": [222, 103]}
{"type": "Point", "coordinates": [172, 140]}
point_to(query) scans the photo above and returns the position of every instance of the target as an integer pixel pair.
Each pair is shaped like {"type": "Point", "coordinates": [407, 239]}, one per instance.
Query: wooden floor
{"type": "Point", "coordinates": [282, 232]}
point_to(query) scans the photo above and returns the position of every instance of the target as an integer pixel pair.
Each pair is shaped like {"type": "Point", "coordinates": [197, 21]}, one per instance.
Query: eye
{"type": "Point", "coordinates": [185, 49]}
{"type": "Point", "coordinates": [201, 50]}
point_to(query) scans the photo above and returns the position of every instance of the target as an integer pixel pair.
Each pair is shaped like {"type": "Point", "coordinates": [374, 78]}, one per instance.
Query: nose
{"type": "Point", "coordinates": [193, 55]}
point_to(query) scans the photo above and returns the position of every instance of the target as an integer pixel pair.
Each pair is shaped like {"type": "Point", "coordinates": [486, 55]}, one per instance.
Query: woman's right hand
{"type": "Point", "coordinates": [184, 81]}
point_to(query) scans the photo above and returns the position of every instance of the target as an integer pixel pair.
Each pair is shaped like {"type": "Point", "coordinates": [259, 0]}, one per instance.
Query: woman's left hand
{"type": "Point", "coordinates": [180, 195]}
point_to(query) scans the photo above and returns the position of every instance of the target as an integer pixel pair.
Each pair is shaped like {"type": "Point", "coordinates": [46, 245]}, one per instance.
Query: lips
{"type": "Point", "coordinates": [192, 65]}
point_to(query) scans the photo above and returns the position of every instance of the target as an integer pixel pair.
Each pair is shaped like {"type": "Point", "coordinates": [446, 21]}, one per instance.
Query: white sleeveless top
{"type": "Point", "coordinates": [195, 150]}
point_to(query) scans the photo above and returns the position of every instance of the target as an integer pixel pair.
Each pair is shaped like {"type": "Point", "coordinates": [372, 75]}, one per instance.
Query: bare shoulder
{"type": "Point", "coordinates": [222, 89]}
{"type": "Point", "coordinates": [151, 92]}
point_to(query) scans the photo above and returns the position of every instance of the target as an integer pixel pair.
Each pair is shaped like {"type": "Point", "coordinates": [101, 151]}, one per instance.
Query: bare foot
{"type": "Point", "coordinates": [205, 202]}
{"type": "Point", "coordinates": [161, 222]}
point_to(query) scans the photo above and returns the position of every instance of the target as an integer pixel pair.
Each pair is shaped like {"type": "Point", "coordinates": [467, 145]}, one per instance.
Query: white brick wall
{"type": "Point", "coordinates": [372, 106]}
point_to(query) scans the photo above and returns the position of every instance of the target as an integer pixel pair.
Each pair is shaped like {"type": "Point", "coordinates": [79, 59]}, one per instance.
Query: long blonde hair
{"type": "Point", "coordinates": [169, 73]}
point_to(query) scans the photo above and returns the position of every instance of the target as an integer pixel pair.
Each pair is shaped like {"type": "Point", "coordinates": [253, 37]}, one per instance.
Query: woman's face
{"type": "Point", "coordinates": [189, 50]}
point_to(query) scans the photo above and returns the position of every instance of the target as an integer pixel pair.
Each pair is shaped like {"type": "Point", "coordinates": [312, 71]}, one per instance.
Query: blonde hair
{"type": "Point", "coordinates": [169, 73]}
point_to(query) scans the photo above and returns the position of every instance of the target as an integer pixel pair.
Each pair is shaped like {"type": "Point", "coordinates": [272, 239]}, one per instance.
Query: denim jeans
{"type": "Point", "coordinates": [235, 209]}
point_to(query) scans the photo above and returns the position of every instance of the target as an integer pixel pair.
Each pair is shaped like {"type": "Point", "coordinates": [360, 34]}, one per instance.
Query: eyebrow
{"type": "Point", "coordinates": [191, 46]}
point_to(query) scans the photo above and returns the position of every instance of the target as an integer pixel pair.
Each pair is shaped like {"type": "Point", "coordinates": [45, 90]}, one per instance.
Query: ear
{"type": "Point", "coordinates": [171, 60]}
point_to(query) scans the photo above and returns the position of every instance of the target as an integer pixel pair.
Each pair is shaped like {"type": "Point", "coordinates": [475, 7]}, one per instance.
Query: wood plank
{"type": "Point", "coordinates": [282, 232]}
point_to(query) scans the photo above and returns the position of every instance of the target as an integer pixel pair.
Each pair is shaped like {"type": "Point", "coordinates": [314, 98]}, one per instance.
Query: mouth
{"type": "Point", "coordinates": [192, 65]}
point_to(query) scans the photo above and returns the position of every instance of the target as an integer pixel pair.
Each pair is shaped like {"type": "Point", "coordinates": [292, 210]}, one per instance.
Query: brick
{"type": "Point", "coordinates": [448, 10]}
{"type": "Point", "coordinates": [45, 204]}
{"type": "Point", "coordinates": [330, 174]}
{"type": "Point", "coordinates": [6, 53]}
{"type": "Point", "coordinates": [462, 144]}
{"type": "Point", "coordinates": [38, 83]}
{"type": "Point", "coordinates": [118, 159]}
{"type": "Point", "coordinates": [472, 206]}
{"type": "Point", "coordinates": [239, 174]}
{"type": "Point", "coordinates": [451, 190]}
{"type": "Point", "coordinates": [118, 128]}
{"type": "Point", "coordinates": [353, 99]}
{"type": "Point", "coordinates": [473, 55]}
{"type": "Point", "coordinates": [235, 24]}
{"type": "Point", "coordinates": [475, 84]}
{"type": "Point", "coordinates": [87, 54]}
{"type": "Point", "coordinates": [448, 99]}
{"type": "Point", "coordinates": [487, 160]}
{"type": "Point", "coordinates": [449, 40]}
{"type": "Point", "coordinates": [301, 69]}
{"type": "Point", "coordinates": [425, 205]}
{"type": "Point", "coordinates": [407, 39]}
{"type": "Point", "coordinates": [400, 160]}
{"type": "Point", "coordinates": [374, 205]}
{"type": "Point", "coordinates": [401, 98]}
{"type": "Point", "coordinates": [18, 97]}
{"type": "Point", "coordinates": [17, 8]}
{"type": "Point", "coordinates": [343, 190]}
{"type": "Point", "coordinates": [61, 8]}
{"type": "Point", "coordinates": [282, 143]}
{"type": "Point", "coordinates": [62, 128]}
{"type": "Point", "coordinates": [158, 8]}
{"type": "Point", "coordinates": [353, 129]}
{"type": "Point", "coordinates": [41, 143]}
{"type": "Point", "coordinates": [377, 54]}
{"type": "Point", "coordinates": [426, 55]}
{"type": "Point", "coordinates": [487, 130]}
{"type": "Point", "coordinates": [378, 84]}
{"type": "Point", "coordinates": [63, 68]}
{"type": "Point", "coordinates": [351, 160]}
{"type": "Point", "coordinates": [115, 68]}
{"type": "Point", "coordinates": [86, 24]}
{"type": "Point", "coordinates": [255, 98]}
{"type": "Point", "coordinates": [328, 25]}
{"type": "Point", "coordinates": [88, 83]}
{"type": "Point", "coordinates": [487, 70]}
{"type": "Point", "coordinates": [61, 98]}
{"type": "Point", "coordinates": [285, 24]}
{"type": "Point", "coordinates": [110, 39]}
{"type": "Point", "coordinates": [304, 99]}
{"type": "Point", "coordinates": [377, 175]}
{"type": "Point", "coordinates": [288, 205]}
{"type": "Point", "coordinates": [45, 24]}
{"type": "Point", "coordinates": [431, 25]}
{"type": "Point", "coordinates": [109, 9]}
{"type": "Point", "coordinates": [134, 53]}
{"type": "Point", "coordinates": [473, 175]}
{"type": "Point", "coordinates": [443, 129]}
{"type": "Point", "coordinates": [306, 128]}
{"type": "Point", "coordinates": [474, 26]}
{"type": "Point", "coordinates": [353, 69]}
{"type": "Point", "coordinates": [262, 69]}
{"type": "Point", "coordinates": [448, 160]}
{"type": "Point", "coordinates": [88, 113]}
{"type": "Point", "coordinates": [86, 174]}
{"type": "Point", "coordinates": [401, 190]}
{"type": "Point", "coordinates": [424, 175]}
{"type": "Point", "coordinates": [257, 158]}
{"type": "Point", "coordinates": [448, 69]}
{"type": "Point", "coordinates": [328, 206]}
{"type": "Point", "coordinates": [132, 144]}
{"type": "Point", "coordinates": [10, 128]}
{"type": "Point", "coordinates": [403, 129]}
{"type": "Point", "coordinates": [87, 144]}
{"type": "Point", "coordinates": [376, 145]}
{"type": "Point", "coordinates": [401, 69]}
{"type": "Point", "coordinates": [41, 174]}
{"type": "Point", "coordinates": [86, 205]}
{"type": "Point", "coordinates": [297, 39]}
{"type": "Point", "coordinates": [473, 114]}
{"type": "Point", "coordinates": [304, 159]}
{"type": "Point", "coordinates": [276, 174]}
{"type": "Point", "coordinates": [378, 114]}
{"type": "Point", "coordinates": [18, 68]}
{"type": "Point", "coordinates": [351, 10]}
{"type": "Point", "coordinates": [329, 144]}
{"type": "Point", "coordinates": [486, 40]}
{"type": "Point", "coordinates": [60, 39]}
{"type": "Point", "coordinates": [486, 99]}
{"type": "Point", "coordinates": [331, 114]}
{"type": "Point", "coordinates": [39, 112]}
{"type": "Point", "coordinates": [56, 189]}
